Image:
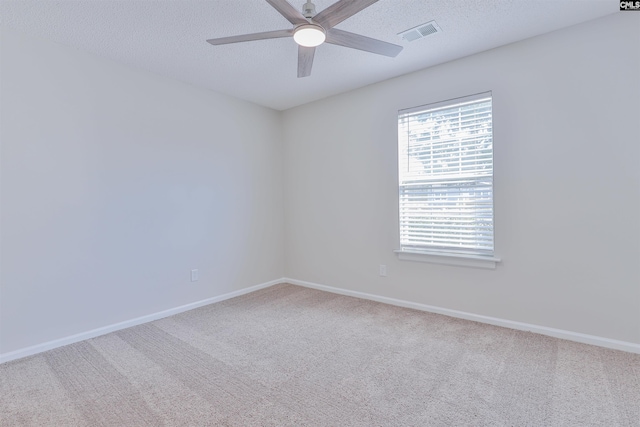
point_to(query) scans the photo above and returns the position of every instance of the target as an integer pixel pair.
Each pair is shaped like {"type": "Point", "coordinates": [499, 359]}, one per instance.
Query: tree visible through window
{"type": "Point", "coordinates": [446, 177]}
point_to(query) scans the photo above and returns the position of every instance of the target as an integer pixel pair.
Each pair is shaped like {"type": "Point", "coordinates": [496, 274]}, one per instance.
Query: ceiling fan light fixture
{"type": "Point", "coordinates": [309, 35]}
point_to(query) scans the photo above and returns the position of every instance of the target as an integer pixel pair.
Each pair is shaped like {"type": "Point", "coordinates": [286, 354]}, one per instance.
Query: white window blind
{"type": "Point", "coordinates": [446, 177]}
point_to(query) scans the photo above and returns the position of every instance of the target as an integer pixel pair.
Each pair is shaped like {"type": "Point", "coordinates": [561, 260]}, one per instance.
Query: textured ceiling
{"type": "Point", "coordinates": [168, 38]}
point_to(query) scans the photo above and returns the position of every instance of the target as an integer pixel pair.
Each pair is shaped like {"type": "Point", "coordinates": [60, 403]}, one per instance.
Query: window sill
{"type": "Point", "coordinates": [463, 260]}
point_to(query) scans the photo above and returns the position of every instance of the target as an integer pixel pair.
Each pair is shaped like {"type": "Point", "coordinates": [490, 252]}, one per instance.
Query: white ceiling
{"type": "Point", "coordinates": [168, 38]}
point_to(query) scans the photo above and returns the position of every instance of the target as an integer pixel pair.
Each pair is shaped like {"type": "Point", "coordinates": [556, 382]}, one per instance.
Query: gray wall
{"type": "Point", "coordinates": [567, 184]}
{"type": "Point", "coordinates": [116, 183]}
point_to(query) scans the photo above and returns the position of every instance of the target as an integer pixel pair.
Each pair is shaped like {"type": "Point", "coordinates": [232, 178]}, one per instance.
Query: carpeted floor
{"type": "Point", "coordinates": [291, 356]}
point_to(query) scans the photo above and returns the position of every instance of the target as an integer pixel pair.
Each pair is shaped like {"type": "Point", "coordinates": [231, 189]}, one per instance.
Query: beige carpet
{"type": "Point", "coordinates": [290, 356]}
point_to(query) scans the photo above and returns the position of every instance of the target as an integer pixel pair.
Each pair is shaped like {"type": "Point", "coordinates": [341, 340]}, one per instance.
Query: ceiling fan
{"type": "Point", "coordinates": [311, 29]}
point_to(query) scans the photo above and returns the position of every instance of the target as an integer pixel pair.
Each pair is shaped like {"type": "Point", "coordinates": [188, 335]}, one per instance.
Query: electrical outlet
{"type": "Point", "coordinates": [383, 270]}
{"type": "Point", "coordinates": [194, 275]}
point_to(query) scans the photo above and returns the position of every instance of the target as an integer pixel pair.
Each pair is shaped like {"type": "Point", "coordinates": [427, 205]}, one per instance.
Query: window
{"type": "Point", "coordinates": [446, 178]}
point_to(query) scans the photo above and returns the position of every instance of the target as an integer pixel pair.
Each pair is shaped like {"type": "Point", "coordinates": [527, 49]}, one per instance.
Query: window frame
{"type": "Point", "coordinates": [440, 255]}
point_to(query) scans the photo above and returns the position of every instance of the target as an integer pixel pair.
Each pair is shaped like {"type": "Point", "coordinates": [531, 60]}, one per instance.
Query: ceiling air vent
{"type": "Point", "coordinates": [422, 30]}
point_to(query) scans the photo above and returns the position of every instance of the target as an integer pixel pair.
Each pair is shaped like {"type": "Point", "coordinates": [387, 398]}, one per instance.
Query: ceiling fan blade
{"type": "Point", "coordinates": [339, 11]}
{"type": "Point", "coordinates": [305, 60]}
{"type": "Point", "coordinates": [292, 14]}
{"type": "Point", "coordinates": [250, 37]}
{"type": "Point", "coordinates": [356, 41]}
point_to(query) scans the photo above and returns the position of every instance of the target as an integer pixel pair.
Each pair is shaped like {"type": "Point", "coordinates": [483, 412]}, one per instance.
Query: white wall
{"type": "Point", "coordinates": [567, 184]}
{"type": "Point", "coordinates": [115, 183]}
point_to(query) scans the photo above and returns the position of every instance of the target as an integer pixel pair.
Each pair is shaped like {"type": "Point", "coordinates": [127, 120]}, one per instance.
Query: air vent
{"type": "Point", "coordinates": [422, 30]}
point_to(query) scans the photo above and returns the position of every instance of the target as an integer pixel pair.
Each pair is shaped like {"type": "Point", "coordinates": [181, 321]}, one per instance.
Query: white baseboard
{"type": "Point", "coordinates": [557, 333]}
{"type": "Point", "coordinates": [543, 330]}
{"type": "Point", "coordinates": [39, 348]}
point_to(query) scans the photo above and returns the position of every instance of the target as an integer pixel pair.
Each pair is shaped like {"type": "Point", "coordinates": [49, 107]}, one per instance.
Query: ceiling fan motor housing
{"type": "Point", "coordinates": [308, 10]}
